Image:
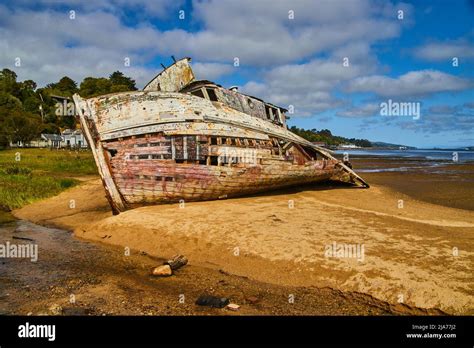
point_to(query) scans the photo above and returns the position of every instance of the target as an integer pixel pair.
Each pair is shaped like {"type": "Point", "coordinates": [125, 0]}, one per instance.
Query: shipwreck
{"type": "Point", "coordinates": [186, 139]}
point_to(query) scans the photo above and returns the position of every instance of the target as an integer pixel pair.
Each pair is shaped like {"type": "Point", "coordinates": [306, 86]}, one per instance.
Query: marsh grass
{"type": "Point", "coordinates": [40, 173]}
{"type": "Point", "coordinates": [6, 217]}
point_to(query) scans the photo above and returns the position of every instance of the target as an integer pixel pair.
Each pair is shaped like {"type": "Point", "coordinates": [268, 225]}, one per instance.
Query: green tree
{"type": "Point", "coordinates": [8, 103]}
{"type": "Point", "coordinates": [22, 126]}
{"type": "Point", "coordinates": [91, 87]}
{"type": "Point", "coordinates": [121, 83]}
{"type": "Point", "coordinates": [65, 87]}
{"type": "Point", "coordinates": [8, 82]}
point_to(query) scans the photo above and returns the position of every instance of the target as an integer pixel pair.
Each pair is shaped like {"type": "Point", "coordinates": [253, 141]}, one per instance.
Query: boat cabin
{"type": "Point", "coordinates": [236, 100]}
{"type": "Point", "coordinates": [179, 77]}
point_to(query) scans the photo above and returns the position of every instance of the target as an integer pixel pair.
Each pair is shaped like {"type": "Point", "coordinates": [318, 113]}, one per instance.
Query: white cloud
{"type": "Point", "coordinates": [211, 71]}
{"type": "Point", "coordinates": [260, 33]}
{"type": "Point", "coordinates": [308, 86]}
{"type": "Point", "coordinates": [364, 110]}
{"type": "Point", "coordinates": [439, 51]}
{"type": "Point", "coordinates": [159, 9]}
{"type": "Point", "coordinates": [50, 45]}
{"type": "Point", "coordinates": [413, 83]}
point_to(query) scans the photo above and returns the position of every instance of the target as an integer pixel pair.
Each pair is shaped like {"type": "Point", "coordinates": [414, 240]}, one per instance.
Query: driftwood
{"type": "Point", "coordinates": [23, 238]}
{"type": "Point", "coordinates": [177, 261]}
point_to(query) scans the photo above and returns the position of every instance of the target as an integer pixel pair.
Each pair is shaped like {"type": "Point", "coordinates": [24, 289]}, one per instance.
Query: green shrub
{"type": "Point", "coordinates": [16, 170]}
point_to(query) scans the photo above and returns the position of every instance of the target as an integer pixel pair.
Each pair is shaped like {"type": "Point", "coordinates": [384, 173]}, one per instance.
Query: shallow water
{"type": "Point", "coordinates": [433, 155]}
{"type": "Point", "coordinates": [57, 251]}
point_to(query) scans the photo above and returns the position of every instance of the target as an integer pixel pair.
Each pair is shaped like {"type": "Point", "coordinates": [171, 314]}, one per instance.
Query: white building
{"type": "Point", "coordinates": [74, 138]}
{"type": "Point", "coordinates": [349, 146]}
{"type": "Point", "coordinates": [68, 139]}
{"type": "Point", "coordinates": [51, 140]}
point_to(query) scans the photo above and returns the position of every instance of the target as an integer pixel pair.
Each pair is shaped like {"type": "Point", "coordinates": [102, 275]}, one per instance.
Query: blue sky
{"type": "Point", "coordinates": [290, 53]}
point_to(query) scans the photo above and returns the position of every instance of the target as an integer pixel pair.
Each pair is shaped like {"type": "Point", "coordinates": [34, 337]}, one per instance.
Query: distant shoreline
{"type": "Point", "coordinates": [442, 156]}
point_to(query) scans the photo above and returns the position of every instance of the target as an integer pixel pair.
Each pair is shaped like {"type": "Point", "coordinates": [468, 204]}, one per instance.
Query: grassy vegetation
{"type": "Point", "coordinates": [39, 173]}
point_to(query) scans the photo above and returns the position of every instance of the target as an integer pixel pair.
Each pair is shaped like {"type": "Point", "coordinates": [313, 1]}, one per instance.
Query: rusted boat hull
{"type": "Point", "coordinates": [160, 147]}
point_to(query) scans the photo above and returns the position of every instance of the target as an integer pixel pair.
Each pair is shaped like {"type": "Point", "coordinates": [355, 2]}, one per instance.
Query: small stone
{"type": "Point", "coordinates": [77, 311]}
{"type": "Point", "coordinates": [29, 314]}
{"type": "Point", "coordinates": [252, 299]}
{"type": "Point", "coordinates": [55, 309]}
{"type": "Point", "coordinates": [212, 301]}
{"type": "Point", "coordinates": [233, 307]}
{"type": "Point", "coordinates": [162, 271]}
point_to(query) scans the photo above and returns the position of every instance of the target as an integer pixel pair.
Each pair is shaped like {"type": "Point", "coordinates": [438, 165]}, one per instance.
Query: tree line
{"type": "Point", "coordinates": [27, 111]}
{"type": "Point", "coordinates": [326, 136]}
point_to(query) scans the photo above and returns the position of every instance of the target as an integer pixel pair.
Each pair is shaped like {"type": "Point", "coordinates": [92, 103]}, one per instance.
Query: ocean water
{"type": "Point", "coordinates": [426, 161]}
{"type": "Point", "coordinates": [429, 155]}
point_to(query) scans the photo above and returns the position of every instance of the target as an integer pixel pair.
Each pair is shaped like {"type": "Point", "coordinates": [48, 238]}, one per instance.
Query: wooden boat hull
{"type": "Point", "coordinates": [156, 147]}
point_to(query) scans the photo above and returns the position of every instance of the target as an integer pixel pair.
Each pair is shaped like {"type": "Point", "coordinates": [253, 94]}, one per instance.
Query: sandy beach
{"type": "Point", "coordinates": [414, 252]}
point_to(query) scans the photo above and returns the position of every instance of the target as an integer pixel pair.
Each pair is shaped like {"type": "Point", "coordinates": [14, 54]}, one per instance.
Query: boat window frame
{"type": "Point", "coordinates": [213, 90]}
{"type": "Point", "coordinates": [198, 90]}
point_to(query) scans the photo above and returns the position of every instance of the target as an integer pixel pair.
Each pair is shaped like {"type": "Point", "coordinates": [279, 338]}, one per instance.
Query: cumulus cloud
{"type": "Point", "coordinates": [211, 71]}
{"type": "Point", "coordinates": [442, 118]}
{"type": "Point", "coordinates": [307, 86]}
{"type": "Point", "coordinates": [49, 45]}
{"type": "Point", "coordinates": [157, 9]}
{"type": "Point", "coordinates": [445, 51]}
{"type": "Point", "coordinates": [364, 110]}
{"type": "Point", "coordinates": [260, 33]}
{"type": "Point", "coordinates": [413, 83]}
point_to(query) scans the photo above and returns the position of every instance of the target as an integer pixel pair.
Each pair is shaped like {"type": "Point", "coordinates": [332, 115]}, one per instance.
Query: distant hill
{"type": "Point", "coordinates": [327, 137]}
{"type": "Point", "coordinates": [389, 145]}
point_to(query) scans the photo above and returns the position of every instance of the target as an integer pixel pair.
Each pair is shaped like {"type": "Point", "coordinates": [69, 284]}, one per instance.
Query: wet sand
{"type": "Point", "coordinates": [447, 184]}
{"type": "Point", "coordinates": [420, 254]}
{"type": "Point", "coordinates": [72, 277]}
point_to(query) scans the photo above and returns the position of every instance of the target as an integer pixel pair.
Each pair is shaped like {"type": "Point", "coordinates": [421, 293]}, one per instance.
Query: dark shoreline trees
{"type": "Point", "coordinates": [27, 111]}
{"type": "Point", "coordinates": [327, 137]}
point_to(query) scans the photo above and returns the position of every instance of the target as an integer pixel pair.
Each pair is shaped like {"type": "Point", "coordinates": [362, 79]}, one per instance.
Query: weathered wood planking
{"type": "Point", "coordinates": [160, 147]}
{"type": "Point", "coordinates": [153, 180]}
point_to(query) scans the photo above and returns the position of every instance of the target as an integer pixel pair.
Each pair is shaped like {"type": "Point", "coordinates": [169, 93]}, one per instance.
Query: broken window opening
{"type": "Point", "coordinates": [214, 161]}
{"type": "Point", "coordinates": [268, 112]}
{"type": "Point", "coordinates": [198, 93]}
{"type": "Point", "coordinates": [212, 94]}
{"type": "Point", "coordinates": [112, 152]}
